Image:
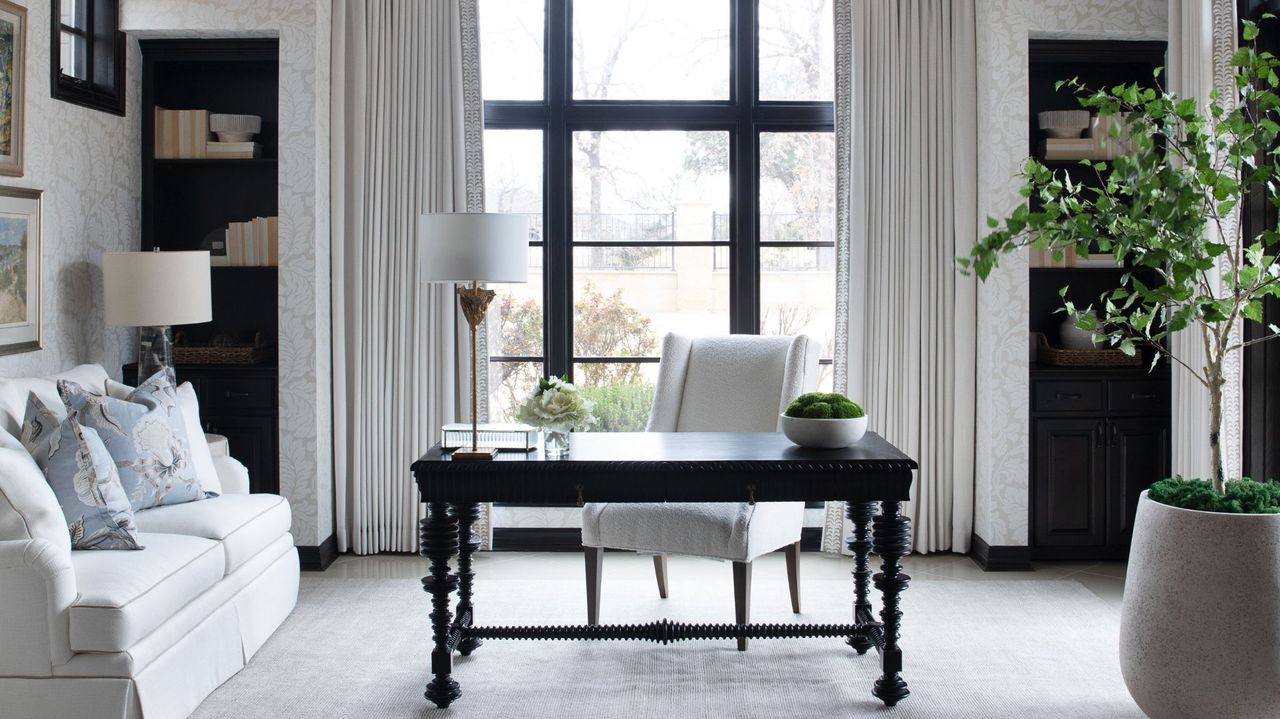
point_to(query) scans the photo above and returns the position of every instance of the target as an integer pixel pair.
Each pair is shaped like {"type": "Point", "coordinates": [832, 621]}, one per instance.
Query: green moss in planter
{"type": "Point", "coordinates": [1241, 496]}
{"type": "Point", "coordinates": [823, 405]}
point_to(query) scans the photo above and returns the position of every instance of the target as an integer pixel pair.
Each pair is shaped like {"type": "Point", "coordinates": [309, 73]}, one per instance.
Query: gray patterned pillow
{"type": "Point", "coordinates": [146, 436]}
{"type": "Point", "coordinates": [83, 476]}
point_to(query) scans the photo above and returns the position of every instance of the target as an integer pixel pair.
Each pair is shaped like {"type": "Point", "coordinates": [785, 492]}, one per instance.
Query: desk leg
{"type": "Point", "coordinates": [860, 514]}
{"type": "Point", "coordinates": [439, 544]}
{"type": "Point", "coordinates": [891, 539]}
{"type": "Point", "coordinates": [467, 545]}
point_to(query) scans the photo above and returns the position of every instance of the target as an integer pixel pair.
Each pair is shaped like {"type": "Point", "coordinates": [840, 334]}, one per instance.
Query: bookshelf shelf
{"type": "Point", "coordinates": [186, 201]}
{"type": "Point", "coordinates": [232, 162]}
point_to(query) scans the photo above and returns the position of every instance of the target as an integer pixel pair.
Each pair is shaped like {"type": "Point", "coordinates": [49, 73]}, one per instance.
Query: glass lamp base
{"type": "Point", "coordinates": [155, 352]}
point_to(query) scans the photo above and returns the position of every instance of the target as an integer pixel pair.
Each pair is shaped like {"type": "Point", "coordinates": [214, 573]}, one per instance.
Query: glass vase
{"type": "Point", "coordinates": [555, 441]}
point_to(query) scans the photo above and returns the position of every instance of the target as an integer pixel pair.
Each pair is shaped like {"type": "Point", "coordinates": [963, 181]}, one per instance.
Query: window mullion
{"type": "Point", "coordinates": [558, 196]}
{"type": "Point", "coordinates": [744, 276]}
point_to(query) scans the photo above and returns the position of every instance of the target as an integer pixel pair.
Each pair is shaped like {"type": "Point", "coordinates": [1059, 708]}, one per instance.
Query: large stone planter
{"type": "Point", "coordinates": [1200, 627]}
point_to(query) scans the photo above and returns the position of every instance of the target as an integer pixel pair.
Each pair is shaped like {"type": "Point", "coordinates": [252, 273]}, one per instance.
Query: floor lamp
{"type": "Point", "coordinates": [464, 248]}
{"type": "Point", "coordinates": [154, 291]}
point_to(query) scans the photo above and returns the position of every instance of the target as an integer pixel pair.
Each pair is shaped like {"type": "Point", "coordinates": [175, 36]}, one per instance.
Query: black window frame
{"type": "Point", "coordinates": [105, 46]}
{"type": "Point", "coordinates": [743, 115]}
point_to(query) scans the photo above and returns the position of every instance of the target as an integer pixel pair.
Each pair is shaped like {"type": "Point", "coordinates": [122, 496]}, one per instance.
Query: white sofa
{"type": "Point", "coordinates": [132, 634]}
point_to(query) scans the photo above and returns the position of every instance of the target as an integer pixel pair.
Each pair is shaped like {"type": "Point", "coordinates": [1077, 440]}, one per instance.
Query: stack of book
{"type": "Point", "coordinates": [1098, 145]}
{"type": "Point", "coordinates": [255, 243]}
{"type": "Point", "coordinates": [181, 134]}
{"type": "Point", "coordinates": [233, 150]}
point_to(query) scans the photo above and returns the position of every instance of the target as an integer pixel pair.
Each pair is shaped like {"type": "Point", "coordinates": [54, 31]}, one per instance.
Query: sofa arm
{"type": "Point", "coordinates": [233, 476]}
{"type": "Point", "coordinates": [37, 588]}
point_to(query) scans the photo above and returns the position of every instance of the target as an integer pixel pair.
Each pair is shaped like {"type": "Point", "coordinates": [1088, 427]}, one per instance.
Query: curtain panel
{"type": "Point", "coordinates": [406, 139]}
{"type": "Point", "coordinates": [906, 209]}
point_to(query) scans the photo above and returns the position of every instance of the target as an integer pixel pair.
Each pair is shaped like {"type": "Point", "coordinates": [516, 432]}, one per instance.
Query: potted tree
{"type": "Point", "coordinates": [1200, 625]}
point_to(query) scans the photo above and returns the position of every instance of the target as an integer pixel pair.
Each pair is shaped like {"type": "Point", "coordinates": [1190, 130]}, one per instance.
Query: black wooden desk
{"type": "Point", "coordinates": [671, 467]}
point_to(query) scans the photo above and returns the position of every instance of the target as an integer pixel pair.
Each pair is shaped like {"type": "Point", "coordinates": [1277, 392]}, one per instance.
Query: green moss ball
{"type": "Point", "coordinates": [818, 410]}
{"type": "Point", "coordinates": [829, 405]}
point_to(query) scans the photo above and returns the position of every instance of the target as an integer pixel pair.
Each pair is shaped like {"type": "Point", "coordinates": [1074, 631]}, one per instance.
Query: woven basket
{"type": "Point", "coordinates": [1084, 358]}
{"type": "Point", "coordinates": [220, 354]}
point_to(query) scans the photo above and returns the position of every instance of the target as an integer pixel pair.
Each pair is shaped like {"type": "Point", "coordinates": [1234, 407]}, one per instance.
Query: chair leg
{"type": "Point", "coordinates": [660, 569]}
{"type": "Point", "coordinates": [595, 567]}
{"type": "Point", "coordinates": [793, 575]}
{"type": "Point", "coordinates": [742, 597]}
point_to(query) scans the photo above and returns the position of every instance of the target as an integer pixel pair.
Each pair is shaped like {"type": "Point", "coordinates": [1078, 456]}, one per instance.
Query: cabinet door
{"type": "Point", "coordinates": [1137, 456]}
{"type": "Point", "coordinates": [252, 440]}
{"type": "Point", "coordinates": [1069, 478]}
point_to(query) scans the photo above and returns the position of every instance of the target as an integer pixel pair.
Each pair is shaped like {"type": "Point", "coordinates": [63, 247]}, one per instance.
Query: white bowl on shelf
{"type": "Point", "coordinates": [1060, 124]}
{"type": "Point", "coordinates": [235, 128]}
{"type": "Point", "coordinates": [824, 433]}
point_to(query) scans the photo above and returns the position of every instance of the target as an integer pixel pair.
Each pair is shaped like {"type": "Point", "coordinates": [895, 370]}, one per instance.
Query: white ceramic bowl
{"type": "Point", "coordinates": [1074, 338]}
{"type": "Point", "coordinates": [235, 128]}
{"type": "Point", "coordinates": [824, 433]}
{"type": "Point", "coordinates": [1064, 123]}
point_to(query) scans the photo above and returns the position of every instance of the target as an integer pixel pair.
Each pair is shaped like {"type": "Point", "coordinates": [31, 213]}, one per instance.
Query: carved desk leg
{"type": "Point", "coordinates": [860, 513]}
{"type": "Point", "coordinates": [439, 544]}
{"type": "Point", "coordinates": [891, 539]}
{"type": "Point", "coordinates": [467, 545]}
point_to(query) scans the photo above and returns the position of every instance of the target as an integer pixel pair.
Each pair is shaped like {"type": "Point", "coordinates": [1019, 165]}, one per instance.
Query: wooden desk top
{"type": "Point", "coordinates": [674, 467]}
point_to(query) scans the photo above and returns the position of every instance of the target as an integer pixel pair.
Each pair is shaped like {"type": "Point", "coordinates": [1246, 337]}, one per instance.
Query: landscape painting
{"type": "Point", "coordinates": [21, 242]}
{"type": "Point", "coordinates": [13, 51]}
{"type": "Point", "coordinates": [13, 269]}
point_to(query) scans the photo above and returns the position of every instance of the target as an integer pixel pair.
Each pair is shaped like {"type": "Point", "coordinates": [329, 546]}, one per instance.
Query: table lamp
{"type": "Point", "coordinates": [473, 247]}
{"type": "Point", "coordinates": [154, 291]}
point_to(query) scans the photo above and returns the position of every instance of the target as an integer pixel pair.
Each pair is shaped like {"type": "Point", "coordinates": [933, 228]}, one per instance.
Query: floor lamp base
{"type": "Point", "coordinates": [481, 453]}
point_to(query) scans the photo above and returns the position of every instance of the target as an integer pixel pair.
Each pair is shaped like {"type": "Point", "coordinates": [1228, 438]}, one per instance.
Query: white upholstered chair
{"type": "Point", "coordinates": [734, 383]}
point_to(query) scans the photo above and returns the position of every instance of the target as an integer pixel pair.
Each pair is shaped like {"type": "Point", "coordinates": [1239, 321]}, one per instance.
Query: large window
{"type": "Point", "coordinates": [677, 164]}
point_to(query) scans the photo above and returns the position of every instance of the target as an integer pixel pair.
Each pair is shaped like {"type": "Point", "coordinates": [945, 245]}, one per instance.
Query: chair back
{"type": "Point", "coordinates": [730, 383]}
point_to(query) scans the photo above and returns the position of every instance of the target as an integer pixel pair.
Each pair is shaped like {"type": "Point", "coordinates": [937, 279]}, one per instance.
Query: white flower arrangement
{"type": "Point", "coordinates": [557, 403]}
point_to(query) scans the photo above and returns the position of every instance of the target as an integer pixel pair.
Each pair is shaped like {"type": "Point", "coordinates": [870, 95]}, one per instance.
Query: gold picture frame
{"type": "Point", "coordinates": [21, 250]}
{"type": "Point", "coordinates": [13, 84]}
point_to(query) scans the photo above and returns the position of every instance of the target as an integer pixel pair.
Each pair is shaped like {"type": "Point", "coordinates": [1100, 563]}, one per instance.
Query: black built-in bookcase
{"type": "Point", "coordinates": [184, 200]}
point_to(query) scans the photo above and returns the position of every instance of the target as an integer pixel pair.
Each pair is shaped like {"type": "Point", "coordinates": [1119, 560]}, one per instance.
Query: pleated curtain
{"type": "Point", "coordinates": [906, 209]}
{"type": "Point", "coordinates": [406, 124]}
{"type": "Point", "coordinates": [1202, 39]}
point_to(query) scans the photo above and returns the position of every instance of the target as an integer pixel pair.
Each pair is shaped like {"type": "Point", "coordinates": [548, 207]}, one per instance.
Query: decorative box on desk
{"type": "Point", "coordinates": [239, 402]}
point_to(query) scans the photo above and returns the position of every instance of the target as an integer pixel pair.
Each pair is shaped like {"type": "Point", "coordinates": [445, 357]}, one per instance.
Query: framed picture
{"type": "Point", "coordinates": [21, 241]}
{"type": "Point", "coordinates": [13, 74]}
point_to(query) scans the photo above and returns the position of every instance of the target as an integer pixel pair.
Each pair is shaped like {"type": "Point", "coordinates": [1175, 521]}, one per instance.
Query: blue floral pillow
{"type": "Point", "coordinates": [83, 476]}
{"type": "Point", "coordinates": [146, 436]}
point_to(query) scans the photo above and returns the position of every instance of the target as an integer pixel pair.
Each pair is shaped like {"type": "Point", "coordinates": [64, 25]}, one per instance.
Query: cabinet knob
{"type": "Point", "coordinates": [1098, 434]}
{"type": "Point", "coordinates": [1143, 395]}
{"type": "Point", "coordinates": [235, 395]}
{"type": "Point", "coordinates": [1068, 395]}
{"type": "Point", "coordinates": [1115, 436]}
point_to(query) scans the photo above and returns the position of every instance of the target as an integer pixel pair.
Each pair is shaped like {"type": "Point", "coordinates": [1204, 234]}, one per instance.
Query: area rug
{"type": "Point", "coordinates": [359, 648]}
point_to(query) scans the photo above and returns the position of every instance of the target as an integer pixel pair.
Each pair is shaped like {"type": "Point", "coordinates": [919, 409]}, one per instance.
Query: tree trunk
{"type": "Point", "coordinates": [1214, 382]}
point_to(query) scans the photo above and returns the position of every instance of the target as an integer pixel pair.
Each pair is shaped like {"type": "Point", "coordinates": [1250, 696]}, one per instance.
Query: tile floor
{"type": "Point", "coordinates": [1105, 579]}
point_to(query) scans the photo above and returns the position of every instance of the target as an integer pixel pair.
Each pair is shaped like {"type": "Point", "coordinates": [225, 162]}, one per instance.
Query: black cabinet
{"type": "Point", "coordinates": [1098, 439]}
{"type": "Point", "coordinates": [238, 402]}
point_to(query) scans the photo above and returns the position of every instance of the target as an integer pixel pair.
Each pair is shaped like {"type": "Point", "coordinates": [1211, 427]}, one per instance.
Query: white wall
{"type": "Point", "coordinates": [86, 162]}
{"type": "Point", "coordinates": [303, 26]}
{"type": "Point", "coordinates": [1004, 27]}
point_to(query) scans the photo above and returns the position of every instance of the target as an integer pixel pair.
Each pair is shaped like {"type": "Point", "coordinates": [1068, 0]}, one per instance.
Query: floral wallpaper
{"type": "Point", "coordinates": [87, 164]}
{"type": "Point", "coordinates": [303, 27]}
{"type": "Point", "coordinates": [1000, 502]}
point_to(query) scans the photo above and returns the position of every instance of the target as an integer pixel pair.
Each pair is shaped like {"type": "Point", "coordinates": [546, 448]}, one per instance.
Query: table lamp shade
{"type": "Point", "coordinates": [473, 247]}
{"type": "Point", "coordinates": [156, 289]}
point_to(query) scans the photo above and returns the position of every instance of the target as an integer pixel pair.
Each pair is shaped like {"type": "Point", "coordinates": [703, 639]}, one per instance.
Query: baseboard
{"type": "Point", "coordinates": [569, 539]}
{"type": "Point", "coordinates": [999, 558]}
{"type": "Point", "coordinates": [318, 558]}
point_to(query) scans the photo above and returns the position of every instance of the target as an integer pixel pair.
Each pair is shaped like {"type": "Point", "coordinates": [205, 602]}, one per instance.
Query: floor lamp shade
{"type": "Point", "coordinates": [473, 247]}
{"type": "Point", "coordinates": [156, 289]}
